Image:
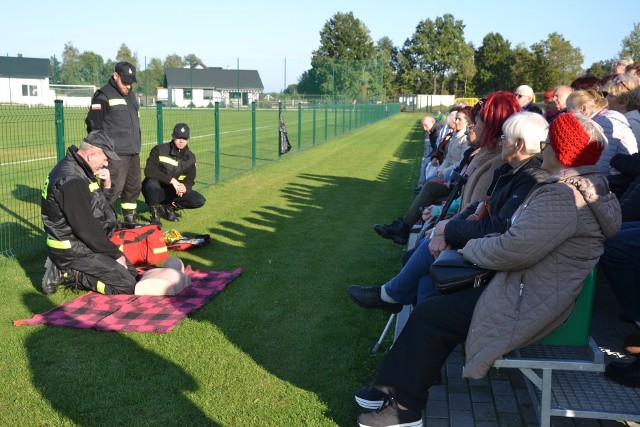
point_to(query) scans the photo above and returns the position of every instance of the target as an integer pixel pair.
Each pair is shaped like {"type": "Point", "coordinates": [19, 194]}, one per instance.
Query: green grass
{"type": "Point", "coordinates": [281, 346]}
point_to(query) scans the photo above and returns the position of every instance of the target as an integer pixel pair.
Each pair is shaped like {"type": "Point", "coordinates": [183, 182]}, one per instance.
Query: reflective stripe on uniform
{"type": "Point", "coordinates": [117, 101]}
{"type": "Point", "coordinates": [181, 177]}
{"type": "Point", "coordinates": [165, 159]}
{"type": "Point", "coordinates": [100, 287]}
{"type": "Point", "coordinates": [128, 206]}
{"type": "Point", "coordinates": [93, 187]}
{"type": "Point", "coordinates": [160, 250]}
{"type": "Point", "coordinates": [58, 244]}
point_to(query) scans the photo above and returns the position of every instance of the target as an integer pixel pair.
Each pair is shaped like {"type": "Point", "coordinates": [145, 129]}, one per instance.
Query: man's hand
{"type": "Point", "coordinates": [437, 245]}
{"type": "Point", "coordinates": [122, 261]}
{"type": "Point", "coordinates": [179, 187]}
{"type": "Point", "coordinates": [105, 176]}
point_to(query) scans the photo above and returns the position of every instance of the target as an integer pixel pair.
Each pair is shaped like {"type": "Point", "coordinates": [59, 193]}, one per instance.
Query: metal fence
{"type": "Point", "coordinates": [227, 142]}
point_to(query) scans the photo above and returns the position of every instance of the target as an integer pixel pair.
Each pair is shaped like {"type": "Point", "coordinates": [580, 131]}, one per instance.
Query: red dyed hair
{"type": "Point", "coordinates": [495, 110]}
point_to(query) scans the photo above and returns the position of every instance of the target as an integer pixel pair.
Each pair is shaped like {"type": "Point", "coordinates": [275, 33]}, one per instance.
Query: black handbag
{"type": "Point", "coordinates": [450, 272]}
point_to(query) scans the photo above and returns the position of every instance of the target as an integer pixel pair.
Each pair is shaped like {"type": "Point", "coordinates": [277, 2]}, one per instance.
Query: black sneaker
{"type": "Point", "coordinates": [53, 277]}
{"type": "Point", "coordinates": [389, 415]}
{"type": "Point", "coordinates": [369, 297]}
{"type": "Point", "coordinates": [398, 231]}
{"type": "Point", "coordinates": [370, 398]}
{"type": "Point", "coordinates": [627, 374]}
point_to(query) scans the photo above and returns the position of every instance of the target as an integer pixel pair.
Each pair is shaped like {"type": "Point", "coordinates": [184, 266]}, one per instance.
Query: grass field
{"type": "Point", "coordinates": [281, 346]}
{"type": "Point", "coordinates": [28, 149]}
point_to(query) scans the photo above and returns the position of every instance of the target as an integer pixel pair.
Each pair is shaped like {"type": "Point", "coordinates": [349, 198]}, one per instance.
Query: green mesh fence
{"type": "Point", "coordinates": [246, 138]}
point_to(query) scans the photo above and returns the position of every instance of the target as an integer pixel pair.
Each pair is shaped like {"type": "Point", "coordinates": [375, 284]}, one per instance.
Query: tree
{"type": "Point", "coordinates": [54, 70]}
{"type": "Point", "coordinates": [192, 59]}
{"type": "Point", "coordinates": [124, 55]}
{"type": "Point", "coordinates": [70, 69]}
{"type": "Point", "coordinates": [601, 68]}
{"type": "Point", "coordinates": [91, 69]}
{"type": "Point", "coordinates": [631, 44]}
{"type": "Point", "coordinates": [154, 75]}
{"type": "Point", "coordinates": [522, 69]}
{"type": "Point", "coordinates": [493, 60]}
{"type": "Point", "coordinates": [435, 49]}
{"type": "Point", "coordinates": [387, 54]}
{"type": "Point", "coordinates": [556, 62]}
{"type": "Point", "coordinates": [174, 61]}
{"type": "Point", "coordinates": [339, 63]}
{"type": "Point", "coordinates": [466, 72]}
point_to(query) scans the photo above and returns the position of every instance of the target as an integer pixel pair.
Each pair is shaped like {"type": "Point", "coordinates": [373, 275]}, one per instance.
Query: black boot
{"type": "Point", "coordinates": [627, 374]}
{"type": "Point", "coordinates": [170, 212]}
{"type": "Point", "coordinates": [398, 231]}
{"type": "Point", "coordinates": [130, 217]}
{"type": "Point", "coordinates": [155, 215]}
{"type": "Point", "coordinates": [53, 277]}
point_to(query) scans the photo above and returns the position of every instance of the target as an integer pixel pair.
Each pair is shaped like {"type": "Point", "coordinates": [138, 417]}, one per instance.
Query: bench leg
{"type": "Point", "coordinates": [545, 399]}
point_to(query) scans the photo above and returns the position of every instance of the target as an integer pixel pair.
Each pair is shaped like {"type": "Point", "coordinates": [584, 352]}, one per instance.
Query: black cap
{"type": "Point", "coordinates": [127, 72]}
{"type": "Point", "coordinates": [181, 130]}
{"type": "Point", "coordinates": [101, 139]}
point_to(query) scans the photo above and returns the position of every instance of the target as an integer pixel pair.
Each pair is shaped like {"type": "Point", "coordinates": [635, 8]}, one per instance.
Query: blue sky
{"type": "Point", "coordinates": [277, 37]}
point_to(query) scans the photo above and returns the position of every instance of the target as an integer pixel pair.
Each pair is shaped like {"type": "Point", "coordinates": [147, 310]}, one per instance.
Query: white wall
{"type": "Point", "coordinates": [11, 91]}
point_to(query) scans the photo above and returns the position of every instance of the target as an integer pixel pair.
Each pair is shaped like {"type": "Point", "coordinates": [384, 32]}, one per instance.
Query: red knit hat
{"type": "Point", "coordinates": [571, 144]}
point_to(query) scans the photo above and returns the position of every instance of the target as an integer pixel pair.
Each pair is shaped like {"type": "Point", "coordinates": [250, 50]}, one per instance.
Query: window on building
{"type": "Point", "coordinates": [207, 94]}
{"type": "Point", "coordinates": [29, 90]}
{"type": "Point", "coordinates": [235, 95]}
{"type": "Point", "coordinates": [187, 94]}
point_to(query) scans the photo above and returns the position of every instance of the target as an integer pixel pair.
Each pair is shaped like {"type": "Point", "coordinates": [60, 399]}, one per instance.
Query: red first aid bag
{"type": "Point", "coordinates": [142, 245]}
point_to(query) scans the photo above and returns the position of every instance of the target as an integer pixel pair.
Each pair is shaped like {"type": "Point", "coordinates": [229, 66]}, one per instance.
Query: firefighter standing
{"type": "Point", "coordinates": [114, 109]}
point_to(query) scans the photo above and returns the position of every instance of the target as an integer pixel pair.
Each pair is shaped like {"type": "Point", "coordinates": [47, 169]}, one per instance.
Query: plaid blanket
{"type": "Point", "coordinates": [135, 313]}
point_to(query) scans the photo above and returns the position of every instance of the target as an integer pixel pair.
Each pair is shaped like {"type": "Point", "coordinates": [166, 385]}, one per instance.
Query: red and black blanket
{"type": "Point", "coordinates": [136, 313]}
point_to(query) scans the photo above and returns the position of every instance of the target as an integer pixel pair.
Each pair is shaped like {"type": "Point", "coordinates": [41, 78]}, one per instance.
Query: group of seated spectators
{"type": "Point", "coordinates": [542, 196]}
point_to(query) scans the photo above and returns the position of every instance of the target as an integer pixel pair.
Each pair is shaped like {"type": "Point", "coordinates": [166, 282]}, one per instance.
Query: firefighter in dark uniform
{"type": "Point", "coordinates": [114, 109]}
{"type": "Point", "coordinates": [170, 173]}
{"type": "Point", "coordinates": [78, 220]}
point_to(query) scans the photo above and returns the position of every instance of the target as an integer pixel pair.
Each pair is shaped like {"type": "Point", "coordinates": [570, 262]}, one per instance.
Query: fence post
{"type": "Point", "coordinates": [59, 114]}
{"type": "Point", "coordinates": [159, 122]}
{"type": "Point", "coordinates": [335, 120]}
{"type": "Point", "coordinates": [314, 124]}
{"type": "Point", "coordinates": [299, 124]}
{"type": "Point", "coordinates": [279, 115]}
{"type": "Point", "coordinates": [326, 121]}
{"type": "Point", "coordinates": [216, 152]}
{"type": "Point", "coordinates": [253, 134]}
{"type": "Point", "coordinates": [344, 112]}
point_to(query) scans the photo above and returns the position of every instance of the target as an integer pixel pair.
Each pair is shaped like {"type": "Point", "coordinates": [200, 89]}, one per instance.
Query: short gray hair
{"type": "Point", "coordinates": [531, 128]}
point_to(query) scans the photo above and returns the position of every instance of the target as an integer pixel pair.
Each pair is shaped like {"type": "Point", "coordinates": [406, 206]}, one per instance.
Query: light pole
{"type": "Point", "coordinates": [191, 83]}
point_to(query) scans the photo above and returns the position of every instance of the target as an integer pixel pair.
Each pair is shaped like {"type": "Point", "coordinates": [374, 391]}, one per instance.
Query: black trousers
{"type": "Point", "coordinates": [103, 274]}
{"type": "Point", "coordinates": [125, 180]}
{"type": "Point", "coordinates": [157, 193]}
{"type": "Point", "coordinates": [436, 326]}
{"type": "Point", "coordinates": [432, 193]}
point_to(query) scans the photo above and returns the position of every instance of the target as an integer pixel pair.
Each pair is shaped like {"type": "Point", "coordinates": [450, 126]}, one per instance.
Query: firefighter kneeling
{"type": "Point", "coordinates": [170, 173]}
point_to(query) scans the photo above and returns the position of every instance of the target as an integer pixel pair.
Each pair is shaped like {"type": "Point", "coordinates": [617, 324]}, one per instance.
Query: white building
{"type": "Point", "coordinates": [205, 86]}
{"type": "Point", "coordinates": [25, 81]}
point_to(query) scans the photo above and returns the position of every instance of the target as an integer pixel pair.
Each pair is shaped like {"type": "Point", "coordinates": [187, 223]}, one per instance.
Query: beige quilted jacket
{"type": "Point", "coordinates": [542, 260]}
{"type": "Point", "coordinates": [484, 163]}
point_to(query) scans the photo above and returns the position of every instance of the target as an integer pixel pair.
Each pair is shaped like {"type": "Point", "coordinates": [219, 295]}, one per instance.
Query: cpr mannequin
{"type": "Point", "coordinates": [166, 280]}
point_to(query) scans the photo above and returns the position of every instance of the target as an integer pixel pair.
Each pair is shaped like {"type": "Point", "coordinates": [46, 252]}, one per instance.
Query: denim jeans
{"type": "Point", "coordinates": [621, 266]}
{"type": "Point", "coordinates": [413, 284]}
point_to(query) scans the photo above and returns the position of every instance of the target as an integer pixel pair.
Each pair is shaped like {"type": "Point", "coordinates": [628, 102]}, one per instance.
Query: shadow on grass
{"type": "Point", "coordinates": [289, 311]}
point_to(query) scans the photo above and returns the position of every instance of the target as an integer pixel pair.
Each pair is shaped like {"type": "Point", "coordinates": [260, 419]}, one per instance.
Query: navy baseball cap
{"type": "Point", "coordinates": [127, 72]}
{"type": "Point", "coordinates": [181, 130]}
{"type": "Point", "coordinates": [101, 139]}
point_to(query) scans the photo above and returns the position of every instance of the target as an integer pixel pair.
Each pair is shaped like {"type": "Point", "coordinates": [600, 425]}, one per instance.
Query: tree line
{"type": "Point", "coordinates": [348, 64]}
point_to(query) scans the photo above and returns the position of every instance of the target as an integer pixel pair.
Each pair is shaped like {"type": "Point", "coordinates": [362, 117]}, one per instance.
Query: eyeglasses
{"type": "Point", "coordinates": [503, 140]}
{"type": "Point", "coordinates": [543, 144]}
{"type": "Point", "coordinates": [519, 95]}
{"type": "Point", "coordinates": [617, 79]}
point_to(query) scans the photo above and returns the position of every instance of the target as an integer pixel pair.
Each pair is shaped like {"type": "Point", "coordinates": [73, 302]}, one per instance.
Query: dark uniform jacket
{"type": "Point", "coordinates": [507, 191]}
{"type": "Point", "coordinates": [76, 214]}
{"type": "Point", "coordinates": [118, 115]}
{"type": "Point", "coordinates": [166, 161]}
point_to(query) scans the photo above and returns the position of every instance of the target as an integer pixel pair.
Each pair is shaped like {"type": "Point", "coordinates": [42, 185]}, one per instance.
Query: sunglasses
{"type": "Point", "coordinates": [617, 79]}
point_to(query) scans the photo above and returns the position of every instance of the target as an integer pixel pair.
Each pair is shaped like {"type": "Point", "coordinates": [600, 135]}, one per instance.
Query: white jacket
{"type": "Point", "coordinates": [619, 136]}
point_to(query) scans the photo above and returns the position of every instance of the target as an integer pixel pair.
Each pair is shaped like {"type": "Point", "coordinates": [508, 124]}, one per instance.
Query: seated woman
{"type": "Point", "coordinates": [616, 128]}
{"type": "Point", "coordinates": [553, 243]}
{"type": "Point", "coordinates": [488, 116]}
{"type": "Point", "coordinates": [522, 134]}
{"type": "Point", "coordinates": [457, 146]}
